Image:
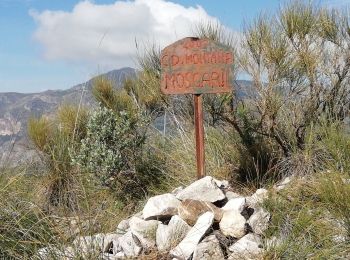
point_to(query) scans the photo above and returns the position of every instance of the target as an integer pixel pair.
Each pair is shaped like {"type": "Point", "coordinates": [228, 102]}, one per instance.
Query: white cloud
{"type": "Point", "coordinates": [105, 35]}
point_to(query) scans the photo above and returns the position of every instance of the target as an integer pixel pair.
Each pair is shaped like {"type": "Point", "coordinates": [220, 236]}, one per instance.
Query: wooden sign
{"type": "Point", "coordinates": [197, 66]}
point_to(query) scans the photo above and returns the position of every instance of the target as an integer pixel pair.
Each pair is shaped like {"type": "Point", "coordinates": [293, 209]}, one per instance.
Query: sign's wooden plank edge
{"type": "Point", "coordinates": [191, 62]}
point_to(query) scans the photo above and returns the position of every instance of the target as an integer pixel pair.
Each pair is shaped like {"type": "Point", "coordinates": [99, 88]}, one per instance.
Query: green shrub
{"type": "Point", "coordinates": [113, 151]}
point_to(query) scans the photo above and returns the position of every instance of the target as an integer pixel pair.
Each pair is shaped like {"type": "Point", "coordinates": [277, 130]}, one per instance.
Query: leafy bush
{"type": "Point", "coordinates": [113, 151]}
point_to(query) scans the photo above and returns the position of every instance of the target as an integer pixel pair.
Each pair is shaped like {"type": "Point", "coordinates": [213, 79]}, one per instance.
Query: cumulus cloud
{"type": "Point", "coordinates": [105, 35]}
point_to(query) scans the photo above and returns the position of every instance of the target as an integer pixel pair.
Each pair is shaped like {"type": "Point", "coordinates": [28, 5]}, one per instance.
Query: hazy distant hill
{"type": "Point", "coordinates": [16, 108]}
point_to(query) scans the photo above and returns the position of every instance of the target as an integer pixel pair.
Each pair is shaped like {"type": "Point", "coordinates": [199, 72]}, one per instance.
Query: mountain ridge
{"type": "Point", "coordinates": [17, 108]}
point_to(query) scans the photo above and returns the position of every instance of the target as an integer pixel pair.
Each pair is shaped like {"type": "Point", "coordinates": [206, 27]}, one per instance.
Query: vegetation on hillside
{"type": "Point", "coordinates": [100, 165]}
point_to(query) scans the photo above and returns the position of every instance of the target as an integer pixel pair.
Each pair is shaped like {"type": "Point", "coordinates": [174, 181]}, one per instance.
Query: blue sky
{"type": "Point", "coordinates": [55, 44]}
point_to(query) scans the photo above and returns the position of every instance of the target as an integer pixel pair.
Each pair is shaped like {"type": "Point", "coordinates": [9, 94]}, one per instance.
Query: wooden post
{"type": "Point", "coordinates": [182, 73]}
{"type": "Point", "coordinates": [199, 131]}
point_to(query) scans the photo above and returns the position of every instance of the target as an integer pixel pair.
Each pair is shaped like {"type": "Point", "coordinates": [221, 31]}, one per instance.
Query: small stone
{"type": "Point", "coordinates": [144, 230]}
{"type": "Point", "coordinates": [177, 190]}
{"type": "Point", "coordinates": [189, 210]}
{"type": "Point", "coordinates": [169, 236]}
{"type": "Point", "coordinates": [118, 256]}
{"type": "Point", "coordinates": [161, 206]}
{"type": "Point", "coordinates": [282, 185]}
{"type": "Point", "coordinates": [204, 189]}
{"type": "Point", "coordinates": [130, 244]}
{"type": "Point", "coordinates": [222, 184]}
{"type": "Point", "coordinates": [96, 243]}
{"type": "Point", "coordinates": [50, 252]}
{"type": "Point", "coordinates": [232, 195]}
{"type": "Point", "coordinates": [187, 246]}
{"type": "Point", "coordinates": [259, 221]}
{"type": "Point", "coordinates": [247, 248]}
{"type": "Point", "coordinates": [237, 204]}
{"type": "Point", "coordinates": [123, 227]}
{"type": "Point", "coordinates": [258, 197]}
{"type": "Point", "coordinates": [233, 224]}
{"type": "Point", "coordinates": [209, 249]}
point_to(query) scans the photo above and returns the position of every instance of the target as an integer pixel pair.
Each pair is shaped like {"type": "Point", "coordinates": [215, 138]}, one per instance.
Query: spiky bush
{"type": "Point", "coordinates": [310, 219]}
{"type": "Point", "coordinates": [54, 139]}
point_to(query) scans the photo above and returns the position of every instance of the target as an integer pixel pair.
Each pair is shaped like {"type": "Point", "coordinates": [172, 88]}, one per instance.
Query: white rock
{"type": "Point", "coordinates": [130, 244]}
{"type": "Point", "coordinates": [120, 255]}
{"type": "Point", "coordinates": [237, 204]}
{"type": "Point", "coordinates": [222, 184]}
{"type": "Point", "coordinates": [248, 247]}
{"type": "Point", "coordinates": [123, 227]}
{"type": "Point", "coordinates": [50, 252]}
{"type": "Point", "coordinates": [187, 246]}
{"type": "Point", "coordinates": [96, 243]}
{"type": "Point", "coordinates": [145, 230]}
{"type": "Point", "coordinates": [161, 206]}
{"type": "Point", "coordinates": [168, 236]}
{"type": "Point", "coordinates": [282, 184]}
{"type": "Point", "coordinates": [233, 224]}
{"type": "Point", "coordinates": [117, 256]}
{"type": "Point", "coordinates": [177, 190]}
{"type": "Point", "coordinates": [259, 221]}
{"type": "Point", "coordinates": [258, 197]}
{"type": "Point", "coordinates": [208, 249]}
{"type": "Point", "coordinates": [204, 189]}
{"type": "Point", "coordinates": [232, 195]}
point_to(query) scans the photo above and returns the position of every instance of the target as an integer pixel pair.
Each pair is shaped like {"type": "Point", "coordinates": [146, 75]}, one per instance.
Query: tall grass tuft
{"type": "Point", "coordinates": [55, 139]}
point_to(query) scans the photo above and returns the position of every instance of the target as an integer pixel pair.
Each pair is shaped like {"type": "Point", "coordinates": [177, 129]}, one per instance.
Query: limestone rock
{"type": "Point", "coordinates": [237, 204]}
{"type": "Point", "coordinates": [232, 195]}
{"type": "Point", "coordinates": [222, 184]}
{"type": "Point", "coordinates": [282, 184]}
{"type": "Point", "coordinates": [161, 206]}
{"type": "Point", "coordinates": [169, 236]}
{"type": "Point", "coordinates": [259, 221]}
{"type": "Point", "coordinates": [177, 190]}
{"type": "Point", "coordinates": [204, 189]}
{"type": "Point", "coordinates": [118, 256]}
{"type": "Point", "coordinates": [208, 249]}
{"type": "Point", "coordinates": [130, 244]}
{"type": "Point", "coordinates": [144, 230]}
{"type": "Point", "coordinates": [50, 252]}
{"type": "Point", "coordinates": [187, 246]}
{"type": "Point", "coordinates": [257, 198]}
{"type": "Point", "coordinates": [189, 210]}
{"type": "Point", "coordinates": [233, 224]}
{"type": "Point", "coordinates": [96, 243]}
{"type": "Point", "coordinates": [248, 247]}
{"type": "Point", "coordinates": [123, 227]}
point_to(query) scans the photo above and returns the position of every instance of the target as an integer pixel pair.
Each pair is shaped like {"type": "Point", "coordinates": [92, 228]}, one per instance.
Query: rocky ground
{"type": "Point", "coordinates": [206, 220]}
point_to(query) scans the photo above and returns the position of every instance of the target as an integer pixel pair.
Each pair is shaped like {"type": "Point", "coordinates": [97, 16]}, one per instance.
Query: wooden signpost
{"type": "Point", "coordinates": [197, 66]}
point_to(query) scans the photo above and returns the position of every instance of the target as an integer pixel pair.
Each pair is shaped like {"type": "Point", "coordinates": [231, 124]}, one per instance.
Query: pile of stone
{"type": "Point", "coordinates": [205, 220]}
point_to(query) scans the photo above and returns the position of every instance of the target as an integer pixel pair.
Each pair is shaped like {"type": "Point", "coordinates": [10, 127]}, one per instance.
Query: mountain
{"type": "Point", "coordinates": [17, 108]}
